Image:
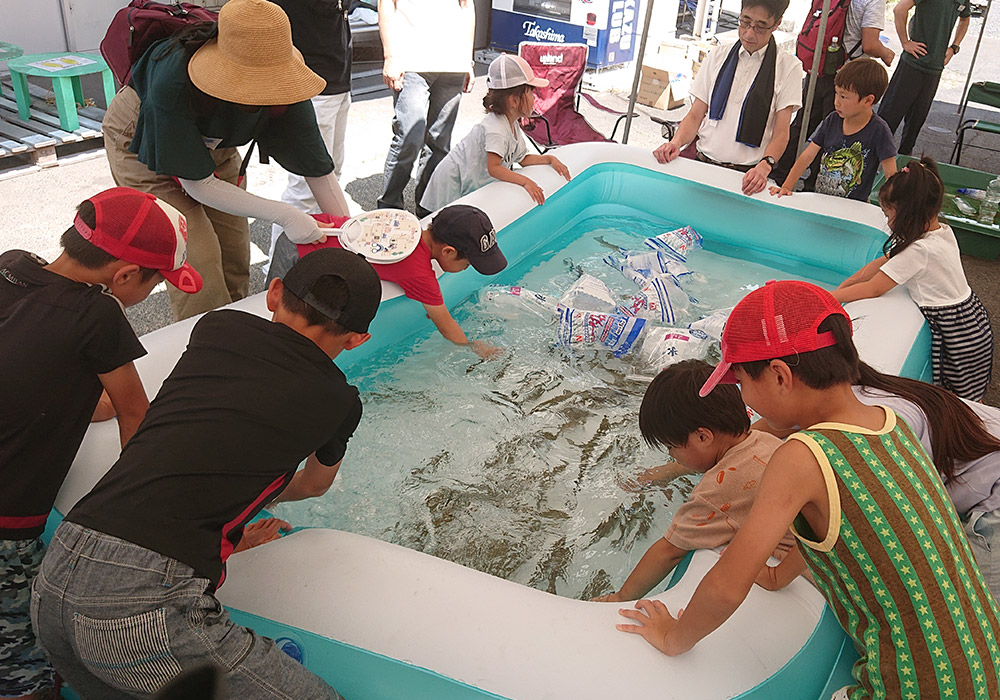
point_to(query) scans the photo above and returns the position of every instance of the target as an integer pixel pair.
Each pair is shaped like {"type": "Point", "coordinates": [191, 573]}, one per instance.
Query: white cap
{"type": "Point", "coordinates": [509, 71]}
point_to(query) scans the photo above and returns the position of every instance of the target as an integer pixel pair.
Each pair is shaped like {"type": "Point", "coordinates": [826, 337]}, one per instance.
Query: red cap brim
{"type": "Point", "coordinates": [185, 278]}
{"type": "Point", "coordinates": [723, 374]}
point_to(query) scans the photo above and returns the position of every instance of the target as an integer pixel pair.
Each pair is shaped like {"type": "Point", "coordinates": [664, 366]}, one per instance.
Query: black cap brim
{"type": "Point", "coordinates": [489, 263]}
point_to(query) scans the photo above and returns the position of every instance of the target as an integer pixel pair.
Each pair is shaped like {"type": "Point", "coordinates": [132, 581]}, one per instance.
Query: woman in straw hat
{"type": "Point", "coordinates": [173, 131]}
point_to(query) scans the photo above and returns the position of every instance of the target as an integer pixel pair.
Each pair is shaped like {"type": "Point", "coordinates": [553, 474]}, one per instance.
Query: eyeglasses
{"type": "Point", "coordinates": [757, 27]}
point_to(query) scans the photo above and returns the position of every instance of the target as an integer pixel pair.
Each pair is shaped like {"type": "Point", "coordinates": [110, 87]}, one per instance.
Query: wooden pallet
{"type": "Point", "coordinates": [40, 142]}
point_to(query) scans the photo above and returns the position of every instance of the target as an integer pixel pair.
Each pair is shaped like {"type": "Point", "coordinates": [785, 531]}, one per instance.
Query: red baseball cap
{"type": "Point", "coordinates": [139, 228]}
{"type": "Point", "coordinates": [776, 320]}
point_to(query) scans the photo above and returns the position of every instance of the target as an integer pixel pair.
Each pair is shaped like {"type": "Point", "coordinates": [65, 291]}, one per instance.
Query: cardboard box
{"type": "Point", "coordinates": [663, 87]}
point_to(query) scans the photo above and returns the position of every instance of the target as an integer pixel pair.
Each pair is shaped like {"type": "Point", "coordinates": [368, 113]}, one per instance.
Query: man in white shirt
{"type": "Point", "coordinates": [427, 47]}
{"type": "Point", "coordinates": [744, 96]}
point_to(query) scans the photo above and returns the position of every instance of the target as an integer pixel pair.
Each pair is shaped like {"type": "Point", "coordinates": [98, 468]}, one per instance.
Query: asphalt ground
{"type": "Point", "coordinates": [37, 206]}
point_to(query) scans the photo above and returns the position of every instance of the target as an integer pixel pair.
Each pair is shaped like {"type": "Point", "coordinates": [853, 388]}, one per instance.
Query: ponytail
{"type": "Point", "coordinates": [498, 101]}
{"type": "Point", "coordinates": [915, 194]}
{"type": "Point", "coordinates": [957, 433]}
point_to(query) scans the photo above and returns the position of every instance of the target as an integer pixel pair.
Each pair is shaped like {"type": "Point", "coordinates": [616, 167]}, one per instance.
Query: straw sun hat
{"type": "Point", "coordinates": [253, 62]}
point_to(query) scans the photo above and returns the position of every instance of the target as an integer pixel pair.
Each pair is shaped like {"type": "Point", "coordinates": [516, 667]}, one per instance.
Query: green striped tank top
{"type": "Point", "coordinates": [896, 569]}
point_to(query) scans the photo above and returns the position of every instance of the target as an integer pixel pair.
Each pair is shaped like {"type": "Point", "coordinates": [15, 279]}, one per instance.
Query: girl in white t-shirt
{"type": "Point", "coordinates": [922, 253]}
{"type": "Point", "coordinates": [496, 143]}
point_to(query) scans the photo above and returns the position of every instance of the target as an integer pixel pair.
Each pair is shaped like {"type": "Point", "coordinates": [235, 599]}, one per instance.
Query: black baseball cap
{"type": "Point", "coordinates": [364, 289]}
{"type": "Point", "coordinates": [470, 231]}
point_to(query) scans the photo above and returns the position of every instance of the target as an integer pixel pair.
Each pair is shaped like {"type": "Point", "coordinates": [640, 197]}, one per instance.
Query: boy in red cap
{"type": "Point", "coordinates": [458, 236]}
{"type": "Point", "coordinates": [67, 344]}
{"type": "Point", "coordinates": [872, 518]}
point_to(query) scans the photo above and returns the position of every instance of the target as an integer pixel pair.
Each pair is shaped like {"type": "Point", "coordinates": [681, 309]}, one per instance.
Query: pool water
{"type": "Point", "coordinates": [524, 466]}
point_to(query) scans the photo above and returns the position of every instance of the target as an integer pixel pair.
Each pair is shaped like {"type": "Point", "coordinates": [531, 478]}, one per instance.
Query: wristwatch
{"type": "Point", "coordinates": [767, 159]}
{"type": "Point", "coordinates": [954, 48]}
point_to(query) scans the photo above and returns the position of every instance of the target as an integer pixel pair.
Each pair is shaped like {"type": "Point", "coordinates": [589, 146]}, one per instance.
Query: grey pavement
{"type": "Point", "coordinates": [35, 207]}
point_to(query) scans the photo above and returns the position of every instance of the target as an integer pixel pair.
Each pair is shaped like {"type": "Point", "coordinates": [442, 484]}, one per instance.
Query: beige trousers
{"type": "Point", "coordinates": [218, 243]}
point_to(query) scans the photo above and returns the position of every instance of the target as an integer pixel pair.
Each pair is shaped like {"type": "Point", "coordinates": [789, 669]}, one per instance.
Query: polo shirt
{"type": "Point", "coordinates": [178, 125]}
{"type": "Point", "coordinates": [246, 403]}
{"type": "Point", "coordinates": [322, 33]}
{"type": "Point", "coordinates": [58, 336]}
{"type": "Point", "coordinates": [717, 138]}
{"type": "Point", "coordinates": [932, 23]}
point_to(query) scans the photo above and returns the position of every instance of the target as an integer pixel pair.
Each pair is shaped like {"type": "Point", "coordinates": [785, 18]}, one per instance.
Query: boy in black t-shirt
{"type": "Point", "coordinates": [855, 141]}
{"type": "Point", "coordinates": [66, 343]}
{"type": "Point", "coordinates": [130, 575]}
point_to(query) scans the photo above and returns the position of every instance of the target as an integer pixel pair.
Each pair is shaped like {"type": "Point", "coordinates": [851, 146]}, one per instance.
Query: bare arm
{"type": "Point", "coordinates": [104, 410]}
{"type": "Point", "coordinates": [960, 30]}
{"type": "Point", "coordinates": [774, 578]}
{"type": "Point", "coordinates": [872, 45]}
{"type": "Point", "coordinates": [128, 398]}
{"type": "Point", "coordinates": [801, 163]}
{"type": "Point", "coordinates": [556, 164]}
{"type": "Point", "coordinates": [889, 167]}
{"type": "Point", "coordinates": [496, 169]}
{"type": "Point", "coordinates": [686, 131]}
{"type": "Point", "coordinates": [792, 480]}
{"type": "Point", "coordinates": [449, 328]}
{"type": "Point", "coordinates": [899, 16]}
{"type": "Point", "coordinates": [314, 479]}
{"type": "Point", "coordinates": [469, 16]}
{"type": "Point", "coordinates": [865, 273]}
{"type": "Point", "coordinates": [392, 76]}
{"type": "Point", "coordinates": [658, 561]}
{"type": "Point", "coordinates": [755, 180]}
{"type": "Point", "coordinates": [878, 285]}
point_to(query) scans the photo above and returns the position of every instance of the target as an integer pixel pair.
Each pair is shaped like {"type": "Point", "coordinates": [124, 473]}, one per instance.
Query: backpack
{"type": "Point", "coordinates": [806, 48]}
{"type": "Point", "coordinates": [139, 25]}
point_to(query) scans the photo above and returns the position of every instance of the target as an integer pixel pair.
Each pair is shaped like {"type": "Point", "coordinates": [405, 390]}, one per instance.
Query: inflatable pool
{"type": "Point", "coordinates": [380, 621]}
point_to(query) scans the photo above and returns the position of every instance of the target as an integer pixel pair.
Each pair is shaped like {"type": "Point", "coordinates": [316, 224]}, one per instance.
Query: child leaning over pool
{"type": "Point", "coordinates": [873, 520]}
{"type": "Point", "coordinates": [495, 144]}
{"type": "Point", "coordinates": [710, 435]}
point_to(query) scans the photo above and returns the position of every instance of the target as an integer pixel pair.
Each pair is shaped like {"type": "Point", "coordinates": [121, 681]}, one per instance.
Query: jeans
{"type": "Point", "coordinates": [119, 621]}
{"type": "Point", "coordinates": [983, 531]}
{"type": "Point", "coordinates": [425, 113]}
{"type": "Point", "coordinates": [908, 99]}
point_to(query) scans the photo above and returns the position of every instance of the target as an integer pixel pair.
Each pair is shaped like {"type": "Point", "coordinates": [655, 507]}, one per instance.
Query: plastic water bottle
{"type": "Point", "coordinates": [991, 201]}
{"type": "Point", "coordinates": [971, 192]}
{"type": "Point", "coordinates": [834, 57]}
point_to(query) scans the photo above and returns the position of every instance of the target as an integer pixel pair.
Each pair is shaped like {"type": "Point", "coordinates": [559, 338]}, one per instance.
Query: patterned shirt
{"type": "Point", "coordinates": [896, 569]}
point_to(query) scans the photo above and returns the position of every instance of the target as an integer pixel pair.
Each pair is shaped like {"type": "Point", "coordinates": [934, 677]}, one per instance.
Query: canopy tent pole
{"type": "Point", "coordinates": [638, 70]}
{"type": "Point", "coordinates": [975, 55]}
{"type": "Point", "coordinates": [813, 77]}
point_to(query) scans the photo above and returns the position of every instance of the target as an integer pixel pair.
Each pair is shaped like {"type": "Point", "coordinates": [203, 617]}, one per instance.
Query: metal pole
{"type": "Point", "coordinates": [638, 70]}
{"type": "Point", "coordinates": [975, 55]}
{"type": "Point", "coordinates": [813, 77]}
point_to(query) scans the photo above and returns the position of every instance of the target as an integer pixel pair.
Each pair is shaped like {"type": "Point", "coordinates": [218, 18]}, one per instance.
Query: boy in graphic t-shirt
{"type": "Point", "coordinates": [458, 236]}
{"type": "Point", "coordinates": [710, 435]}
{"type": "Point", "coordinates": [853, 139]}
{"type": "Point", "coordinates": [67, 358]}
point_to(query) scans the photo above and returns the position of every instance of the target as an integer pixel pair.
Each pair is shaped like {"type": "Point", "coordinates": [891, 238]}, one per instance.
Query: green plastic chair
{"type": "Point", "coordinates": [985, 93]}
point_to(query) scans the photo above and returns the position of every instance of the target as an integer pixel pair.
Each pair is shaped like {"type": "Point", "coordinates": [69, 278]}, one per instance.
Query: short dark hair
{"type": "Point", "coordinates": [671, 409]}
{"type": "Point", "coordinates": [460, 254]}
{"type": "Point", "coordinates": [863, 76]}
{"type": "Point", "coordinates": [776, 8]}
{"type": "Point", "coordinates": [86, 253]}
{"type": "Point", "coordinates": [332, 291]}
{"type": "Point", "coordinates": [818, 369]}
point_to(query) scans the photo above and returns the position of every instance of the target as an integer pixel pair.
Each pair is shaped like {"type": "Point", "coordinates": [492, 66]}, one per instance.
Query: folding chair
{"type": "Point", "coordinates": [556, 105]}
{"type": "Point", "coordinates": [985, 93]}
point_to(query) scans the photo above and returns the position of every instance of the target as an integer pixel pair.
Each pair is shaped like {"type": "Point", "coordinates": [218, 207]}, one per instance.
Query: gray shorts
{"type": "Point", "coordinates": [24, 669]}
{"type": "Point", "coordinates": [119, 621]}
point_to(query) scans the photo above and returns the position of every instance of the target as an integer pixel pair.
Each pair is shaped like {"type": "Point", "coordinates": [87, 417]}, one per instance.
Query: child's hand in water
{"type": "Point", "coordinates": [558, 166]}
{"type": "Point", "coordinates": [614, 597]}
{"type": "Point", "coordinates": [534, 191]}
{"type": "Point", "coordinates": [485, 351]}
{"type": "Point", "coordinates": [780, 191]}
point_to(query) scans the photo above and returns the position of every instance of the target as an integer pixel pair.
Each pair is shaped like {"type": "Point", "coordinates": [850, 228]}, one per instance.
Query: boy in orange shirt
{"type": "Point", "coordinates": [710, 435]}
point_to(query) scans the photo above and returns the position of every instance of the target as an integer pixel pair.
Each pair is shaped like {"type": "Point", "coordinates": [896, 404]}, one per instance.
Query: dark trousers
{"type": "Point", "coordinates": [822, 105]}
{"type": "Point", "coordinates": [908, 99]}
{"type": "Point", "coordinates": [425, 113]}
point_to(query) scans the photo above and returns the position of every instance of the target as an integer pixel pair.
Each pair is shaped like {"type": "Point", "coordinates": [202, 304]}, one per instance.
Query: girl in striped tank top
{"type": "Point", "coordinates": [923, 254]}
{"type": "Point", "coordinates": [874, 522]}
